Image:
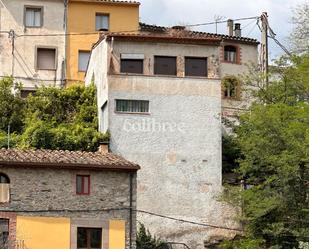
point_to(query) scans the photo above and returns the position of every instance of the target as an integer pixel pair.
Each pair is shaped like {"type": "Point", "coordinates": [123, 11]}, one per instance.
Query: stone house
{"type": "Point", "coordinates": [160, 96]}
{"type": "Point", "coordinates": [66, 200]}
{"type": "Point", "coordinates": [32, 43]}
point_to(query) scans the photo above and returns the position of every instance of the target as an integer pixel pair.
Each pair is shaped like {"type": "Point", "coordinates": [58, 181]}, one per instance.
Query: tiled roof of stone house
{"type": "Point", "coordinates": [109, 1]}
{"type": "Point", "coordinates": [63, 159]}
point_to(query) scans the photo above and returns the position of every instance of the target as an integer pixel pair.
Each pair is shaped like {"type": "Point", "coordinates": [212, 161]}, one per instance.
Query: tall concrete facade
{"type": "Point", "coordinates": [177, 140]}
{"type": "Point", "coordinates": [34, 53]}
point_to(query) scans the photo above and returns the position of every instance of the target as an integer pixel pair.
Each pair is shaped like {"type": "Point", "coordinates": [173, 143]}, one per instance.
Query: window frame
{"type": "Point", "coordinates": [126, 112]}
{"type": "Point", "coordinates": [36, 57]}
{"type": "Point", "coordinates": [41, 8]}
{"type": "Point", "coordinates": [83, 182]}
{"type": "Point", "coordinates": [88, 237]}
{"type": "Point", "coordinates": [236, 54]}
{"type": "Point", "coordinates": [102, 14]}
{"type": "Point", "coordinates": [201, 58]}
{"type": "Point", "coordinates": [83, 51]}
{"type": "Point", "coordinates": [164, 56]}
{"type": "Point", "coordinates": [126, 59]}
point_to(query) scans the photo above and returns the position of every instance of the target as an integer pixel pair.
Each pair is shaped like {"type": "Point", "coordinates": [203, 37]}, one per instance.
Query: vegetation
{"type": "Point", "coordinates": [51, 119]}
{"type": "Point", "coordinates": [144, 240]}
{"type": "Point", "coordinates": [274, 159]}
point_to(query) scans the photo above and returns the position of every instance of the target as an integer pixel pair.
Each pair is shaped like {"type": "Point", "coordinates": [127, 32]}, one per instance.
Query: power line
{"type": "Point", "coordinates": [224, 21]}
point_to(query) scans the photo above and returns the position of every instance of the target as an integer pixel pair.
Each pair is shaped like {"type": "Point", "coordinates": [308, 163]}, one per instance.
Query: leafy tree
{"type": "Point", "coordinates": [274, 160]}
{"type": "Point", "coordinates": [53, 118]}
{"type": "Point", "coordinates": [144, 240]}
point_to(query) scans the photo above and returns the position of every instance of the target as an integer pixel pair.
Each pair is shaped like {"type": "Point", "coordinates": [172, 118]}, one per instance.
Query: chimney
{"type": "Point", "coordinates": [230, 24]}
{"type": "Point", "coordinates": [104, 147]}
{"type": "Point", "coordinates": [237, 30]}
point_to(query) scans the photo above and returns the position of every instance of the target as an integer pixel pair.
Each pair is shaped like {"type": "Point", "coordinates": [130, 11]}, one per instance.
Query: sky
{"type": "Point", "coordinates": [180, 12]}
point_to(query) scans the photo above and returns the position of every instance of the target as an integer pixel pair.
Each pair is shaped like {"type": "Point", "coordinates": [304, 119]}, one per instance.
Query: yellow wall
{"type": "Point", "coordinates": [81, 19]}
{"type": "Point", "coordinates": [43, 232]}
{"type": "Point", "coordinates": [117, 234]}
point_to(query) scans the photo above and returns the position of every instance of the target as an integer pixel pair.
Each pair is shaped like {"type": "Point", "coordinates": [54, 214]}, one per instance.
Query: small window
{"type": "Point", "coordinates": [230, 54]}
{"type": "Point", "coordinates": [25, 93]}
{"type": "Point", "coordinates": [102, 22]}
{"type": "Point", "coordinates": [196, 66]}
{"type": "Point", "coordinates": [33, 17]}
{"type": "Point", "coordinates": [4, 233]}
{"type": "Point", "coordinates": [131, 66]}
{"type": "Point", "coordinates": [89, 238]}
{"type": "Point", "coordinates": [83, 59]}
{"type": "Point", "coordinates": [4, 188]}
{"type": "Point", "coordinates": [231, 87]}
{"type": "Point", "coordinates": [132, 106]}
{"type": "Point", "coordinates": [165, 65]}
{"type": "Point", "coordinates": [46, 59]}
{"type": "Point", "coordinates": [83, 184]}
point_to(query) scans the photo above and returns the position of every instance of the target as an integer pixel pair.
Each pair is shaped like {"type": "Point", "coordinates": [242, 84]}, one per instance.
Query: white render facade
{"type": "Point", "coordinates": [177, 144]}
{"type": "Point", "coordinates": [36, 56]}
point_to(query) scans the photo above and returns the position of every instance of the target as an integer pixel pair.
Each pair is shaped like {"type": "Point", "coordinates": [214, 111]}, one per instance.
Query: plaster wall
{"type": "Point", "coordinates": [22, 65]}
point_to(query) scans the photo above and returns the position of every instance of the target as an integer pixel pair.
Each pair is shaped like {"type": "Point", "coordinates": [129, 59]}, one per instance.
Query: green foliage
{"type": "Point", "coordinates": [230, 154]}
{"type": "Point", "coordinates": [51, 119]}
{"type": "Point", "coordinates": [144, 240]}
{"type": "Point", "coordinates": [244, 243]}
{"type": "Point", "coordinates": [274, 142]}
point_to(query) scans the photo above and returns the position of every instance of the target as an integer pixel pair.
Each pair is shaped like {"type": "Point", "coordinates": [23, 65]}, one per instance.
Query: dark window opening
{"type": "Point", "coordinates": [4, 233]}
{"type": "Point", "coordinates": [89, 238]}
{"type": "Point", "coordinates": [230, 54]}
{"type": "Point", "coordinates": [132, 106]}
{"type": "Point", "coordinates": [83, 184]}
{"type": "Point", "coordinates": [4, 178]}
{"type": "Point", "coordinates": [165, 65]}
{"type": "Point", "coordinates": [131, 66]}
{"type": "Point", "coordinates": [196, 66]}
{"type": "Point", "coordinates": [231, 87]}
{"type": "Point", "coordinates": [25, 93]}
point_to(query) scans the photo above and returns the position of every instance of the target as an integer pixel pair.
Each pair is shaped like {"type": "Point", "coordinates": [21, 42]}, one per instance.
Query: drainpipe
{"type": "Point", "coordinates": [131, 209]}
{"type": "Point", "coordinates": [65, 26]}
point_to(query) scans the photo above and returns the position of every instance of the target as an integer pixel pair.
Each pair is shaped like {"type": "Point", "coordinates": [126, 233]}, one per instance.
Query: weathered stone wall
{"type": "Point", "coordinates": [35, 190]}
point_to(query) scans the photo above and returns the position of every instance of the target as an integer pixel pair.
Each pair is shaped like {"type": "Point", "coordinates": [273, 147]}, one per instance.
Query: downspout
{"type": "Point", "coordinates": [65, 26]}
{"type": "Point", "coordinates": [131, 209]}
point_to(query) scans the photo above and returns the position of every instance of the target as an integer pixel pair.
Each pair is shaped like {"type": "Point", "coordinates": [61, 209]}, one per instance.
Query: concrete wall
{"type": "Point", "coordinates": [178, 144]}
{"type": "Point", "coordinates": [35, 190]}
{"type": "Point", "coordinates": [22, 65]}
{"type": "Point", "coordinates": [123, 17]}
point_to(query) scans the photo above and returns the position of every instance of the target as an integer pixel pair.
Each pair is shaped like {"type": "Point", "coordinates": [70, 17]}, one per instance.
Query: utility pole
{"type": "Point", "coordinates": [264, 46]}
{"type": "Point", "coordinates": [12, 37]}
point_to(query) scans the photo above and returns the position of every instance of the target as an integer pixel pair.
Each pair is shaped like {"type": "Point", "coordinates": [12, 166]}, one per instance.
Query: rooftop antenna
{"type": "Point", "coordinates": [217, 20]}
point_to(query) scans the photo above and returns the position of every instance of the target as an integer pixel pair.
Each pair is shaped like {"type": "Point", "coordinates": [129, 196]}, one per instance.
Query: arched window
{"type": "Point", "coordinates": [230, 86]}
{"type": "Point", "coordinates": [4, 188]}
{"type": "Point", "coordinates": [230, 53]}
{"type": "Point", "coordinates": [4, 178]}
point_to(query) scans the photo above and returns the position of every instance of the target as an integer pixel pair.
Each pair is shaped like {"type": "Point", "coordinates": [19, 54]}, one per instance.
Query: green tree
{"type": "Point", "coordinates": [144, 240]}
{"type": "Point", "coordinates": [273, 138]}
{"type": "Point", "coordinates": [53, 118]}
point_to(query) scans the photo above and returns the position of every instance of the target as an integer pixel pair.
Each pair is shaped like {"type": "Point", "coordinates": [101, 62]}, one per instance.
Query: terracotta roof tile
{"type": "Point", "coordinates": [64, 159]}
{"type": "Point", "coordinates": [109, 1]}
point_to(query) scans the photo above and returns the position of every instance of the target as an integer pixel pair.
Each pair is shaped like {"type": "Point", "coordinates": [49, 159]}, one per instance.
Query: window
{"type": "Point", "coordinates": [4, 188]}
{"type": "Point", "coordinates": [83, 184]}
{"type": "Point", "coordinates": [102, 22]}
{"type": "Point", "coordinates": [231, 87]}
{"type": "Point", "coordinates": [4, 233]}
{"type": "Point", "coordinates": [196, 66]}
{"type": "Point", "coordinates": [133, 106]}
{"type": "Point", "coordinates": [83, 59]}
{"type": "Point", "coordinates": [25, 93]}
{"type": "Point", "coordinates": [33, 17]}
{"type": "Point", "coordinates": [46, 59]}
{"type": "Point", "coordinates": [165, 65]}
{"type": "Point", "coordinates": [230, 54]}
{"type": "Point", "coordinates": [131, 66]}
{"type": "Point", "coordinates": [89, 238]}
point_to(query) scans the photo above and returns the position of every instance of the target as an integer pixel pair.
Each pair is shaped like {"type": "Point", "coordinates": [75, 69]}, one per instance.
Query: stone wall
{"type": "Point", "coordinates": [34, 190]}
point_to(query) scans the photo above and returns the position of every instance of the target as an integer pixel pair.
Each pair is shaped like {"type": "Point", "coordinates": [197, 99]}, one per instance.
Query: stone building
{"type": "Point", "coordinates": [63, 199]}
{"type": "Point", "coordinates": [159, 95]}
{"type": "Point", "coordinates": [32, 43]}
